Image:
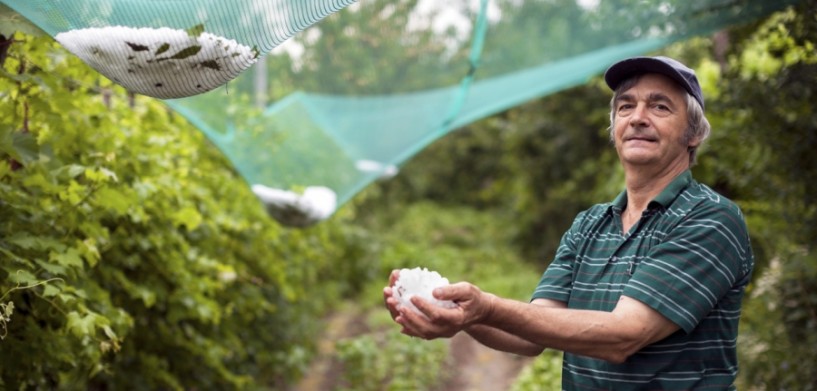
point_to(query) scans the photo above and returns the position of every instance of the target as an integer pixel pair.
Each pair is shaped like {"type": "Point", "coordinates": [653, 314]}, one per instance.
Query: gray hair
{"type": "Point", "coordinates": [697, 124]}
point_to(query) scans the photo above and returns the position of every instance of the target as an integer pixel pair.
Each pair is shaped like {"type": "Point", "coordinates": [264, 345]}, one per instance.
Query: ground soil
{"type": "Point", "coordinates": [479, 368]}
{"type": "Point", "coordinates": [473, 367]}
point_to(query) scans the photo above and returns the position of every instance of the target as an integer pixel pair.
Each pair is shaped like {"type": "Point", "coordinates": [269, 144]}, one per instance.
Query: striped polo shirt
{"type": "Point", "coordinates": [688, 257]}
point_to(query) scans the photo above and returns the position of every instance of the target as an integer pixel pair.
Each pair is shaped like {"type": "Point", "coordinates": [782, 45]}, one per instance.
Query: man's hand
{"type": "Point", "coordinates": [473, 306]}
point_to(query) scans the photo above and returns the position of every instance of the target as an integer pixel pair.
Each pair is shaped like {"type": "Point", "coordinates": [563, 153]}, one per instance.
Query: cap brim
{"type": "Point", "coordinates": [625, 69]}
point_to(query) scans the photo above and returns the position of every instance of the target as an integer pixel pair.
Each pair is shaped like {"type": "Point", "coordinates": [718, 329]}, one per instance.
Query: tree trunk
{"type": "Point", "coordinates": [5, 43]}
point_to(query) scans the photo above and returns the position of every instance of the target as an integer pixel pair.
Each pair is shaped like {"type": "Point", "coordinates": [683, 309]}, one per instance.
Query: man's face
{"type": "Point", "coordinates": [650, 121]}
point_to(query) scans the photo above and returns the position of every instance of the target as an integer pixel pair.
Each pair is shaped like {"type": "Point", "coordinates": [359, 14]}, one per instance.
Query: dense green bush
{"type": "Point", "coordinates": [390, 361]}
{"type": "Point", "coordinates": [544, 373]}
{"type": "Point", "coordinates": [777, 331]}
{"type": "Point", "coordinates": [132, 256]}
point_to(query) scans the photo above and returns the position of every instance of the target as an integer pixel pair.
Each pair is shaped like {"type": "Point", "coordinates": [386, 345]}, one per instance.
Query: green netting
{"type": "Point", "coordinates": [173, 48]}
{"type": "Point", "coordinates": [336, 100]}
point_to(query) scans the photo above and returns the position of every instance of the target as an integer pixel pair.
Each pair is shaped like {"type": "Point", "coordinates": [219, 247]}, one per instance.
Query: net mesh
{"type": "Point", "coordinates": [312, 105]}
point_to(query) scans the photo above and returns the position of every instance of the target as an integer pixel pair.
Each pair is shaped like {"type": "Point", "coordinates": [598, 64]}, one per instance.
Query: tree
{"type": "Point", "coordinates": [132, 256]}
{"type": "Point", "coordinates": [770, 126]}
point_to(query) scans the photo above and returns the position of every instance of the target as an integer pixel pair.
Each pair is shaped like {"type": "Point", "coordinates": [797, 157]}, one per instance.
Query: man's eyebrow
{"type": "Point", "coordinates": [659, 97]}
{"type": "Point", "coordinates": [625, 97]}
{"type": "Point", "coordinates": [652, 97]}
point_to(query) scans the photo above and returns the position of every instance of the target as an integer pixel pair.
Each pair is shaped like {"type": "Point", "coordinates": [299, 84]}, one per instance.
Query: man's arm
{"type": "Point", "coordinates": [611, 336]}
{"type": "Point", "coordinates": [500, 340]}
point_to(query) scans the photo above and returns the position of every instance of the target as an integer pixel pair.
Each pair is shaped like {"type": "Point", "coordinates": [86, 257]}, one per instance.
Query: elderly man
{"type": "Point", "coordinates": [645, 291]}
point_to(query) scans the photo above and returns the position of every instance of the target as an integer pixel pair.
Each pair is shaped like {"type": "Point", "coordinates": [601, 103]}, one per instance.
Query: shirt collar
{"type": "Point", "coordinates": [664, 198]}
{"type": "Point", "coordinates": [674, 188]}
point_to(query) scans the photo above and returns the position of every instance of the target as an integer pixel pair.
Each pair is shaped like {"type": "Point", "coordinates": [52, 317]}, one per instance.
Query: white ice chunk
{"type": "Point", "coordinates": [419, 282]}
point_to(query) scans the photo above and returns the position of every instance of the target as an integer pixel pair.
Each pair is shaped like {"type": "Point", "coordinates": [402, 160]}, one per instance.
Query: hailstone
{"type": "Point", "coordinates": [419, 282]}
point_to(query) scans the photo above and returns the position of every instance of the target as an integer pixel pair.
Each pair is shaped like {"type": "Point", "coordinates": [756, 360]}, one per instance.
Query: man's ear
{"type": "Point", "coordinates": [693, 143]}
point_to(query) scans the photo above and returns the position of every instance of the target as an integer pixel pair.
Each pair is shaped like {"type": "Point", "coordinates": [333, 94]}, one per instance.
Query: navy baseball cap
{"type": "Point", "coordinates": [666, 66]}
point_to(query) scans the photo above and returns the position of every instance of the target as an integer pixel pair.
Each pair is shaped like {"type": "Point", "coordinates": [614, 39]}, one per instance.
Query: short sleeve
{"type": "Point", "coordinates": [699, 262]}
{"type": "Point", "coordinates": [557, 280]}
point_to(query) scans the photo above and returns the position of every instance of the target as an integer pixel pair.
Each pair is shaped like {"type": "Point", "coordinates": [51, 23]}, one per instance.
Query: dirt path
{"type": "Point", "coordinates": [324, 372]}
{"type": "Point", "coordinates": [474, 366]}
{"type": "Point", "coordinates": [480, 368]}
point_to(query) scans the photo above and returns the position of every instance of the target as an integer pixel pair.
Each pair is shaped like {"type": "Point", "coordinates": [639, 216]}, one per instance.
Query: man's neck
{"type": "Point", "coordinates": [643, 185]}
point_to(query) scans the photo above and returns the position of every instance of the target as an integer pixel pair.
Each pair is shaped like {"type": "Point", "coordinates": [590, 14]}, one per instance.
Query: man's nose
{"type": "Point", "coordinates": [639, 116]}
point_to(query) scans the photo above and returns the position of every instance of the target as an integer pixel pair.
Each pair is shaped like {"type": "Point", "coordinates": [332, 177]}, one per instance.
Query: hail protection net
{"type": "Point", "coordinates": [312, 100]}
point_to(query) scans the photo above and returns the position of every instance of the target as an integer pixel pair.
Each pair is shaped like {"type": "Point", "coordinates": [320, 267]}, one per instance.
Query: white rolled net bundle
{"type": "Point", "coordinates": [419, 282]}
{"type": "Point", "coordinates": [162, 62]}
{"type": "Point", "coordinates": [317, 203]}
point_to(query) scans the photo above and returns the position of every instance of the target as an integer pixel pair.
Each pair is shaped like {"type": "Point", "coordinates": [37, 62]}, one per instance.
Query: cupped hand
{"type": "Point", "coordinates": [434, 321]}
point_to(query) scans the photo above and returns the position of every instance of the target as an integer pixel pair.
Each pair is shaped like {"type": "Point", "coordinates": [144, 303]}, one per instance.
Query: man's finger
{"type": "Point", "coordinates": [428, 309]}
{"type": "Point", "coordinates": [391, 306]}
{"type": "Point", "coordinates": [453, 292]}
{"type": "Point", "coordinates": [394, 276]}
{"type": "Point", "coordinates": [408, 320]}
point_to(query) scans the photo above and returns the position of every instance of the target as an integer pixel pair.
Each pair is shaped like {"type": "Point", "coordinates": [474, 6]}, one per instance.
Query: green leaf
{"type": "Point", "coordinates": [70, 258]}
{"type": "Point", "coordinates": [196, 30]}
{"type": "Point", "coordinates": [100, 175]}
{"type": "Point", "coordinates": [212, 64]}
{"type": "Point", "coordinates": [25, 147]}
{"type": "Point", "coordinates": [189, 217]}
{"type": "Point", "coordinates": [186, 52]}
{"type": "Point", "coordinates": [38, 180]}
{"type": "Point", "coordinates": [147, 296]}
{"type": "Point", "coordinates": [7, 140]}
{"type": "Point", "coordinates": [137, 47]}
{"type": "Point", "coordinates": [90, 251]}
{"type": "Point", "coordinates": [14, 257]}
{"type": "Point", "coordinates": [5, 169]}
{"type": "Point", "coordinates": [109, 332]}
{"type": "Point", "coordinates": [40, 243]}
{"type": "Point", "coordinates": [74, 194]}
{"type": "Point", "coordinates": [23, 278]}
{"type": "Point", "coordinates": [70, 171]}
{"type": "Point", "coordinates": [50, 290]}
{"type": "Point", "coordinates": [165, 46]}
{"type": "Point", "coordinates": [81, 326]}
{"type": "Point", "coordinates": [114, 200]}
{"type": "Point", "coordinates": [7, 310]}
{"type": "Point", "coordinates": [65, 297]}
{"type": "Point", "coordinates": [53, 268]}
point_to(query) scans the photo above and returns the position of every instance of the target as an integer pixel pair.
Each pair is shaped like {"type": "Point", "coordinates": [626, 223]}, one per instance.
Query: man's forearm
{"type": "Point", "coordinates": [610, 336]}
{"type": "Point", "coordinates": [500, 340]}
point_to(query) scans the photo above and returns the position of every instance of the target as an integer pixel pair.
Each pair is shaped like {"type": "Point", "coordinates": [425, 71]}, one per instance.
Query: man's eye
{"type": "Point", "coordinates": [662, 107]}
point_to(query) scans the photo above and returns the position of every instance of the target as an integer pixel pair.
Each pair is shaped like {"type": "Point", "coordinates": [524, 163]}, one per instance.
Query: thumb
{"type": "Point", "coordinates": [453, 292]}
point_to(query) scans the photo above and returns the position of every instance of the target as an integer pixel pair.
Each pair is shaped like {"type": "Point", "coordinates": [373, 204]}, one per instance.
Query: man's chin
{"type": "Point", "coordinates": [637, 156]}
